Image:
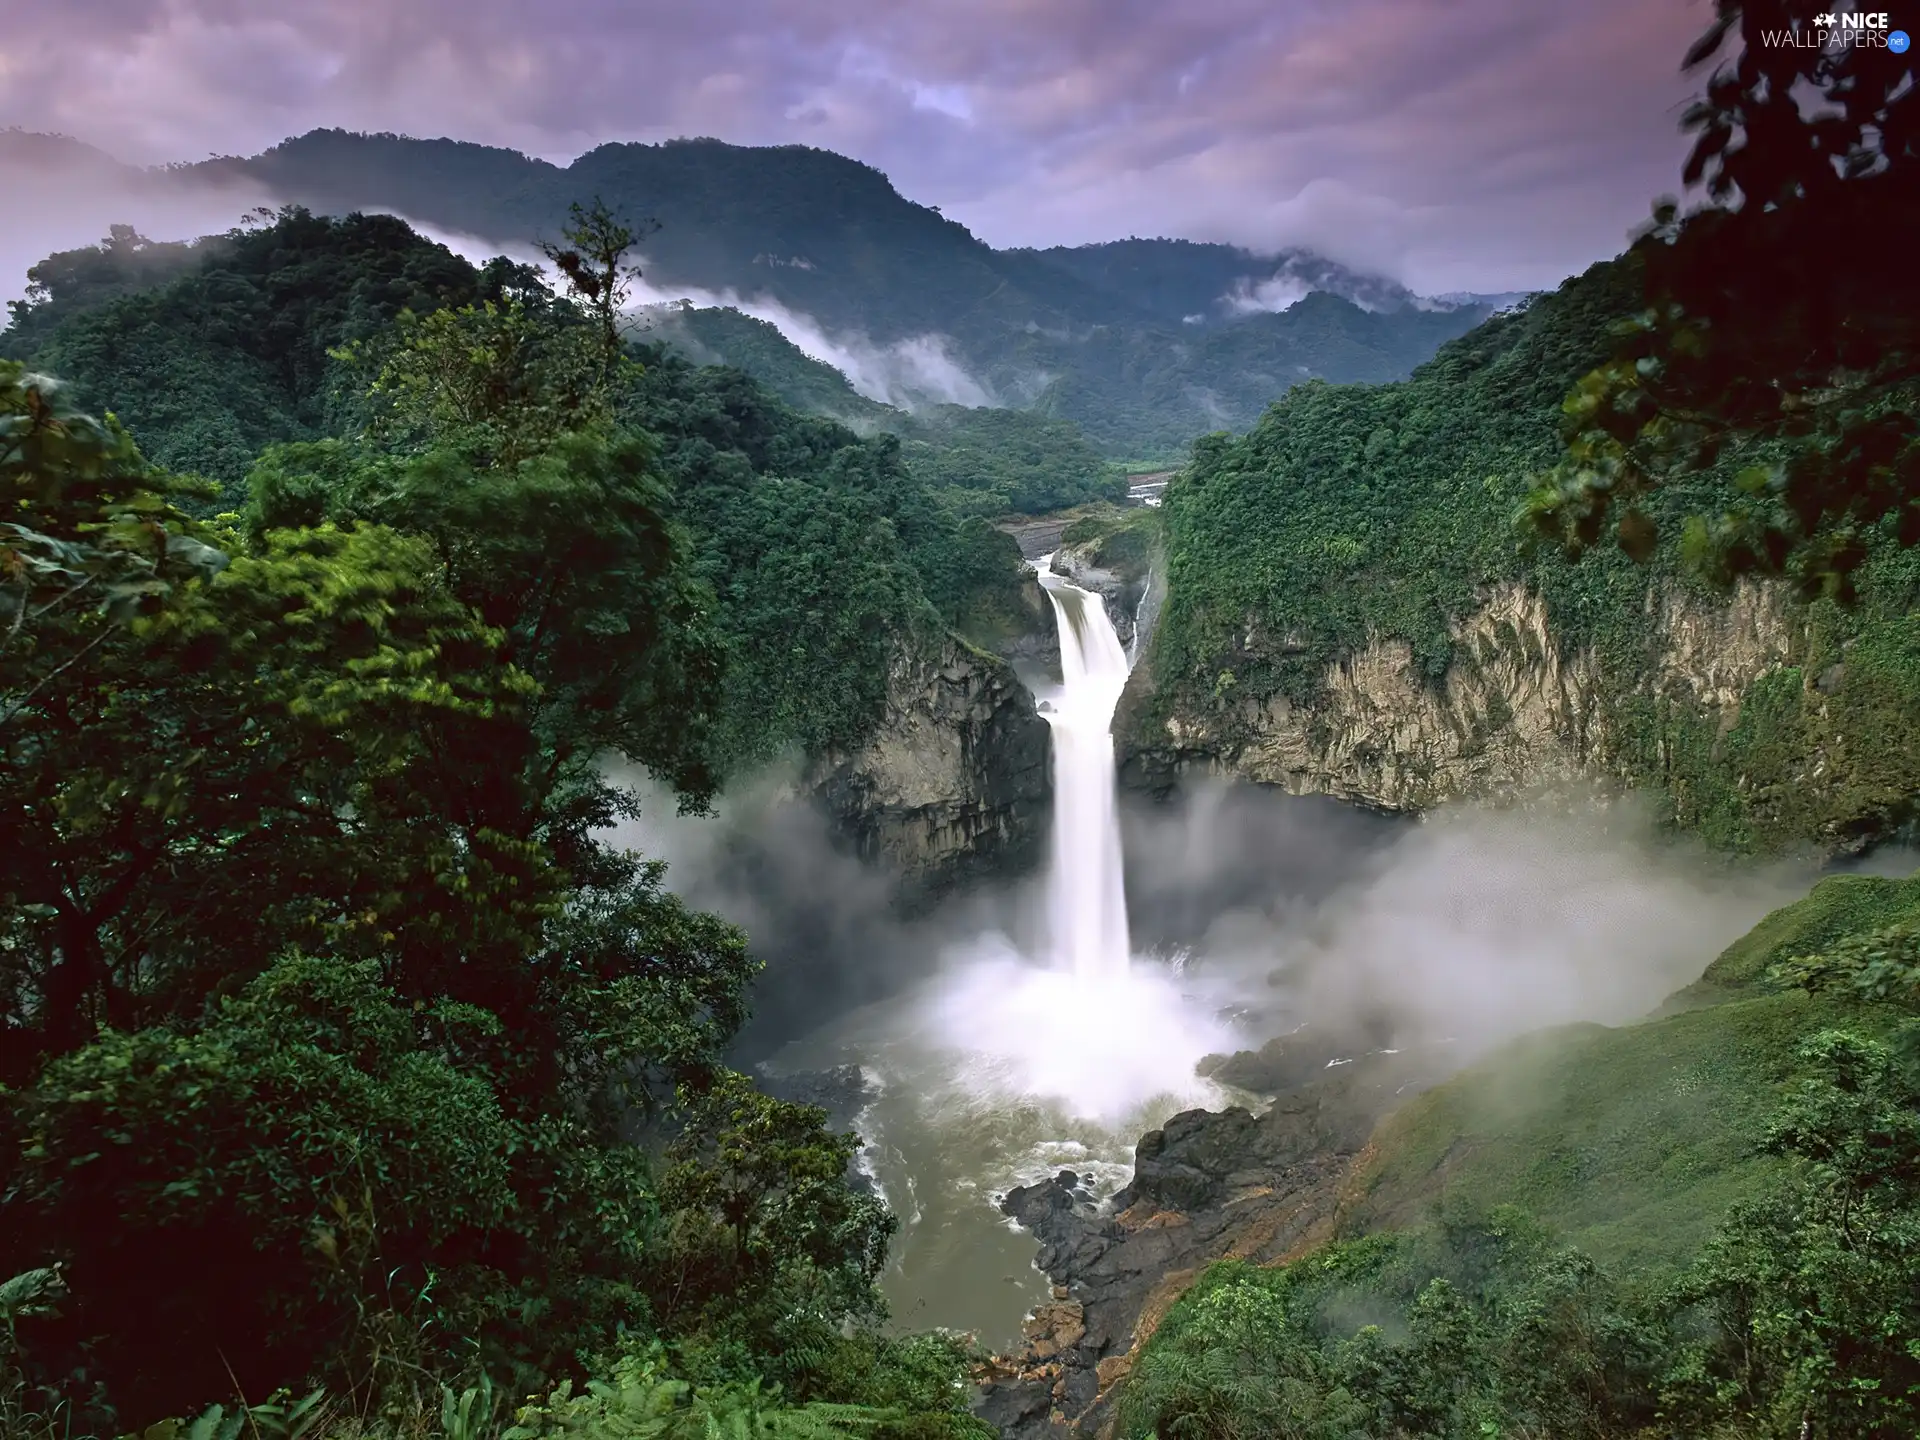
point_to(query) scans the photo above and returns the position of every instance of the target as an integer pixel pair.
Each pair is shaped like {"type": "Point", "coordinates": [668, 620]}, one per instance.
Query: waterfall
{"type": "Point", "coordinates": [1087, 896]}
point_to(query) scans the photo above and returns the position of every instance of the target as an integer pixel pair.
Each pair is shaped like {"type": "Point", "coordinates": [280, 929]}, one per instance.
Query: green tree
{"type": "Point", "coordinates": [591, 255]}
{"type": "Point", "coordinates": [1810, 1290]}
{"type": "Point", "coordinates": [767, 1248]}
{"type": "Point", "coordinates": [276, 1191]}
{"type": "Point", "coordinates": [1805, 372]}
{"type": "Point", "coordinates": [190, 727]}
{"type": "Point", "coordinates": [496, 382]}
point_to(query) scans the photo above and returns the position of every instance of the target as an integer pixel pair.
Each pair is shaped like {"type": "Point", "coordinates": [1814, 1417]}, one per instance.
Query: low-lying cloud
{"type": "Point", "coordinates": [1479, 925]}
{"type": "Point", "coordinates": [64, 198]}
{"type": "Point", "coordinates": [918, 371]}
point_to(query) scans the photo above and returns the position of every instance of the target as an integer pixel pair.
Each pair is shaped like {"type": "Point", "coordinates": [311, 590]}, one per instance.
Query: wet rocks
{"type": "Point", "coordinates": [953, 781]}
{"type": "Point", "coordinates": [1206, 1186]}
{"type": "Point", "coordinates": [1120, 586]}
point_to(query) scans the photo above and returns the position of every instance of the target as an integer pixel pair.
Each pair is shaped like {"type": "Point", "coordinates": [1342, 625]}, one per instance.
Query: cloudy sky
{"type": "Point", "coordinates": [1484, 144]}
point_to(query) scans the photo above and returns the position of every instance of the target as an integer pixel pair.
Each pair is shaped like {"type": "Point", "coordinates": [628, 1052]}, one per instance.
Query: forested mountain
{"type": "Point", "coordinates": [1141, 342]}
{"type": "Point", "coordinates": [1353, 517]}
{"type": "Point", "coordinates": [1187, 281]}
{"type": "Point", "coordinates": [213, 354]}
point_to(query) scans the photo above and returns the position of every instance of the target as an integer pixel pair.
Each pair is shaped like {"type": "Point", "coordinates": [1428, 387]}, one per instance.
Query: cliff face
{"type": "Point", "coordinates": [954, 780]}
{"type": "Point", "coordinates": [1125, 566]}
{"type": "Point", "coordinates": [1516, 710]}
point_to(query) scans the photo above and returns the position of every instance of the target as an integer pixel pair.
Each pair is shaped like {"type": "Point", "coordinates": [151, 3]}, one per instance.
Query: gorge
{"type": "Point", "coordinates": [1320, 864]}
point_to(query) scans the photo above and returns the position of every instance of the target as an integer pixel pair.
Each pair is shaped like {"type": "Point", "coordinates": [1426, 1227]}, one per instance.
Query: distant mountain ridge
{"type": "Point", "coordinates": [1145, 343]}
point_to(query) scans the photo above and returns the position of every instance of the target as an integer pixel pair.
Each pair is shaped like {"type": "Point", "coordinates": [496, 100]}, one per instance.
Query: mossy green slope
{"type": "Point", "coordinates": [1700, 1225]}
{"type": "Point", "coordinates": [1633, 1142]}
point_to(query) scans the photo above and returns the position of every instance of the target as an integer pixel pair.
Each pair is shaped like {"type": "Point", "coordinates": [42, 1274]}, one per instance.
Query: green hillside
{"type": "Point", "coordinates": [241, 344]}
{"type": "Point", "coordinates": [1703, 1224]}
{"type": "Point", "coordinates": [1090, 335]}
{"type": "Point", "coordinates": [980, 461]}
{"type": "Point", "coordinates": [1384, 511]}
{"type": "Point", "coordinates": [721, 335]}
{"type": "Point", "coordinates": [1147, 392]}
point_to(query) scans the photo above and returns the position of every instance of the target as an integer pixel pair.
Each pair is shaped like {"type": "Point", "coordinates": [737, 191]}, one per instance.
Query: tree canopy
{"type": "Point", "coordinates": [340, 1048]}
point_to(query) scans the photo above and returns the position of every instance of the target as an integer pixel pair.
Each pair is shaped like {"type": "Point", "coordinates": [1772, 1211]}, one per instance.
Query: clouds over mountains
{"type": "Point", "coordinates": [1461, 145]}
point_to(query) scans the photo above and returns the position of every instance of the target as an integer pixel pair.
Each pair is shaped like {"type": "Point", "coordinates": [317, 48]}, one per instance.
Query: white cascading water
{"type": "Point", "coordinates": [1087, 897]}
{"type": "Point", "coordinates": [1014, 1062]}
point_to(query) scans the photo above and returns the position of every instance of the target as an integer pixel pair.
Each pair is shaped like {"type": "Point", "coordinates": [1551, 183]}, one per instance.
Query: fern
{"type": "Point", "coordinates": [643, 1404]}
{"type": "Point", "coordinates": [276, 1419]}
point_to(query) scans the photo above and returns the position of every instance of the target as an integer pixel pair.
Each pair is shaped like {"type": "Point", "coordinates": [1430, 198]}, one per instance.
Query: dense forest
{"type": "Point", "coordinates": [256, 353]}
{"type": "Point", "coordinates": [1357, 513]}
{"type": "Point", "coordinates": [330, 1023]}
{"type": "Point", "coordinates": [981, 460]}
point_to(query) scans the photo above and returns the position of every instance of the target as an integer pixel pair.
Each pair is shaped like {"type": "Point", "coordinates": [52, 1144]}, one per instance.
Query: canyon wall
{"type": "Point", "coordinates": [953, 781]}
{"type": "Point", "coordinates": [1518, 710]}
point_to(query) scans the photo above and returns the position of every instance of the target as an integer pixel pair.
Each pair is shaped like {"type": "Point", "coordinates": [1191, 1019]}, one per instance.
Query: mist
{"type": "Point", "coordinates": [908, 374]}
{"type": "Point", "coordinates": [67, 197]}
{"type": "Point", "coordinates": [1275, 937]}
{"type": "Point", "coordinates": [1254, 913]}
{"type": "Point", "coordinates": [1474, 925]}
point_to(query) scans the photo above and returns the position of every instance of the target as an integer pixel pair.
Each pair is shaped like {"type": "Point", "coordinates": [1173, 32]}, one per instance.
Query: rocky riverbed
{"type": "Point", "coordinates": [1207, 1186]}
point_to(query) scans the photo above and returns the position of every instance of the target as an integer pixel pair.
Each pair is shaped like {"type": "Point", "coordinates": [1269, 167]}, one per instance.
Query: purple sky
{"type": "Point", "coordinates": [1456, 144]}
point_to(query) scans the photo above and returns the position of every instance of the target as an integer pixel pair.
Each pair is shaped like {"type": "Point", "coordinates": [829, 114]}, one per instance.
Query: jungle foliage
{"type": "Point", "coordinates": [332, 360]}
{"type": "Point", "coordinates": [339, 1050]}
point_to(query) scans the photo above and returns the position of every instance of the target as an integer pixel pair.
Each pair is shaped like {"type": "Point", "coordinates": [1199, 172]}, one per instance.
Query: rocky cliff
{"type": "Point", "coordinates": [1206, 1186]}
{"type": "Point", "coordinates": [953, 782]}
{"type": "Point", "coordinates": [1119, 557]}
{"type": "Point", "coordinates": [1516, 710]}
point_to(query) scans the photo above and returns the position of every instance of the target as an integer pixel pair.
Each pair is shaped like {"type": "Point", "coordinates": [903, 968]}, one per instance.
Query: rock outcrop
{"type": "Point", "coordinates": [1515, 711]}
{"type": "Point", "coordinates": [953, 781]}
{"type": "Point", "coordinates": [1120, 587]}
{"type": "Point", "coordinates": [1207, 1186]}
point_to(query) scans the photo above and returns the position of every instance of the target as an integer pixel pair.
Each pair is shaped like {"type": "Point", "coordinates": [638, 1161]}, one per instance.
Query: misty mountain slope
{"type": "Point", "coordinates": [980, 460]}
{"type": "Point", "coordinates": [1191, 282]}
{"type": "Point", "coordinates": [820, 233]}
{"type": "Point", "coordinates": [1633, 1141]}
{"type": "Point", "coordinates": [791, 513]}
{"type": "Point", "coordinates": [26, 152]}
{"type": "Point", "coordinates": [830, 240]}
{"type": "Point", "coordinates": [1147, 392]}
{"type": "Point", "coordinates": [721, 335]}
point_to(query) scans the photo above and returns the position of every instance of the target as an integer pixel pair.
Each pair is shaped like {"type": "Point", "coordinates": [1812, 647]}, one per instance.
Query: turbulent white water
{"type": "Point", "coordinates": [1087, 903]}
{"type": "Point", "coordinates": [1016, 1060]}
